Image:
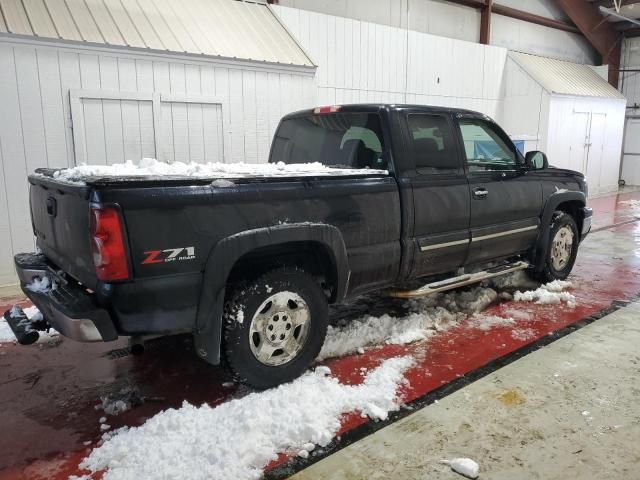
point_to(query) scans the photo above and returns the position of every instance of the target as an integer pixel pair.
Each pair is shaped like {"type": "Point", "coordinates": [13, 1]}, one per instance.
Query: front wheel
{"type": "Point", "coordinates": [274, 327]}
{"type": "Point", "coordinates": [563, 248]}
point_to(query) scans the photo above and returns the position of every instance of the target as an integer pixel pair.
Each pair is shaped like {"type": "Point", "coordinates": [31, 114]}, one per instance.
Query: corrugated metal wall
{"type": "Point", "coordinates": [367, 62]}
{"type": "Point", "coordinates": [630, 84]}
{"type": "Point", "coordinates": [36, 120]}
{"type": "Point", "coordinates": [450, 20]}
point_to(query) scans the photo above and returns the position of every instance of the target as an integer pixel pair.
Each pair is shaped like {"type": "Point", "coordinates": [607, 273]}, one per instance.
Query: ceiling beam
{"type": "Point", "coordinates": [533, 18]}
{"type": "Point", "coordinates": [601, 34]}
{"type": "Point", "coordinates": [470, 3]}
{"type": "Point", "coordinates": [519, 14]}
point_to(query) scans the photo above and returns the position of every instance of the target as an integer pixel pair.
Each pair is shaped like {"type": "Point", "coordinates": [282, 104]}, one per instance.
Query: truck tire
{"type": "Point", "coordinates": [274, 327]}
{"type": "Point", "coordinates": [563, 248]}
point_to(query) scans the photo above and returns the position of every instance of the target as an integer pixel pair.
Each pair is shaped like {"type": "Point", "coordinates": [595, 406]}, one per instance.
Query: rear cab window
{"type": "Point", "coordinates": [345, 140]}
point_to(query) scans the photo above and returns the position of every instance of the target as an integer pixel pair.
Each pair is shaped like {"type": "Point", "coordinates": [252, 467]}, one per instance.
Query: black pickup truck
{"type": "Point", "coordinates": [250, 266]}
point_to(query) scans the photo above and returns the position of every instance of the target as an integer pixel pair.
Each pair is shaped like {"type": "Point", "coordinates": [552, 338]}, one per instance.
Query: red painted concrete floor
{"type": "Point", "coordinates": [48, 392]}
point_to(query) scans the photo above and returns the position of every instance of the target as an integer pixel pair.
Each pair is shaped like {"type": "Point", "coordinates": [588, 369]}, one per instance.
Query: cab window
{"type": "Point", "coordinates": [432, 144]}
{"type": "Point", "coordinates": [485, 148]}
{"type": "Point", "coordinates": [346, 140]}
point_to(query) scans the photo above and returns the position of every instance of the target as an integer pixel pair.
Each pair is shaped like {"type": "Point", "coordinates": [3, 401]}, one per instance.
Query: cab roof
{"type": "Point", "coordinates": [377, 107]}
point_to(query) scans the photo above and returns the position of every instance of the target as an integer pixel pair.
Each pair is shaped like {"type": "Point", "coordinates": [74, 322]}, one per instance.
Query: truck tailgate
{"type": "Point", "coordinates": [60, 215]}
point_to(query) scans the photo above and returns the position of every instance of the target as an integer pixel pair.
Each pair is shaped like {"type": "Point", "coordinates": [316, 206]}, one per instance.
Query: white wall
{"type": "Point", "coordinates": [367, 62]}
{"type": "Point", "coordinates": [531, 38]}
{"type": "Point", "coordinates": [525, 108]}
{"type": "Point", "coordinates": [447, 19]}
{"type": "Point", "coordinates": [36, 122]}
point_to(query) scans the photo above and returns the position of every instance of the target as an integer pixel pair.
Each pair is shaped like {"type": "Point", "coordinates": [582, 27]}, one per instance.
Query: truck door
{"type": "Point", "coordinates": [506, 201]}
{"type": "Point", "coordinates": [440, 194]}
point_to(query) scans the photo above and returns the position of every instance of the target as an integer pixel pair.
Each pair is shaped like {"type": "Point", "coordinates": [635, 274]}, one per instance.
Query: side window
{"type": "Point", "coordinates": [432, 144]}
{"type": "Point", "coordinates": [485, 149]}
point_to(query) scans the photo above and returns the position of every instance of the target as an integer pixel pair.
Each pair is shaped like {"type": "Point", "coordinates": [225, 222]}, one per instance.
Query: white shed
{"type": "Point", "coordinates": [568, 111]}
{"type": "Point", "coordinates": [107, 81]}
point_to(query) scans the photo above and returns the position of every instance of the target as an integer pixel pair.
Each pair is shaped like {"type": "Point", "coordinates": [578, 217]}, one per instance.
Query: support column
{"type": "Point", "coordinates": [485, 23]}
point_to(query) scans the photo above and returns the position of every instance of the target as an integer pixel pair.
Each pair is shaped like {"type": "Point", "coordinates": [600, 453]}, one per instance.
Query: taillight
{"type": "Point", "coordinates": [107, 244]}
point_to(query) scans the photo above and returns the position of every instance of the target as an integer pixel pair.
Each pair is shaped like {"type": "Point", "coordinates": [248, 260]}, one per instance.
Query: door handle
{"type": "Point", "coordinates": [480, 193]}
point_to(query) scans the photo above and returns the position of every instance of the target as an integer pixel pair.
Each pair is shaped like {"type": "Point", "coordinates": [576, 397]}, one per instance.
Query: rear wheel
{"type": "Point", "coordinates": [274, 327]}
{"type": "Point", "coordinates": [563, 248]}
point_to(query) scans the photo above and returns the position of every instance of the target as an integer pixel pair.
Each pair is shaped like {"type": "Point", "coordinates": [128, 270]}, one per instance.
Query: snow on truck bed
{"type": "Point", "coordinates": [150, 167]}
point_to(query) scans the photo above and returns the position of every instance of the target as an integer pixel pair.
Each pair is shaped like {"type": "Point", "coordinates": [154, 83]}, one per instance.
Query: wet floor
{"type": "Point", "coordinates": [49, 392]}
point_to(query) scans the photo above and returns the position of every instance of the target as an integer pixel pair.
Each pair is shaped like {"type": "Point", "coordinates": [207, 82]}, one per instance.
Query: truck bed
{"type": "Point", "coordinates": [169, 211]}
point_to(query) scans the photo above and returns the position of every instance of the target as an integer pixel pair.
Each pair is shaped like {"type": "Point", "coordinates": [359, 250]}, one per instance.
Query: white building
{"type": "Point", "coordinates": [568, 111]}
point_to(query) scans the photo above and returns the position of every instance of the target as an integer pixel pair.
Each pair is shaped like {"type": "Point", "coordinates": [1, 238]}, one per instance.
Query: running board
{"type": "Point", "coordinates": [459, 281]}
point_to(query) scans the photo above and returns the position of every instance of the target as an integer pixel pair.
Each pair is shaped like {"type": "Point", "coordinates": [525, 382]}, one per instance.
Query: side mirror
{"type": "Point", "coordinates": [536, 160]}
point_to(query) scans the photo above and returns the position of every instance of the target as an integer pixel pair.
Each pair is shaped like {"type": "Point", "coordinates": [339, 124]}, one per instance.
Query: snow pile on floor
{"type": "Point", "coordinates": [236, 439]}
{"type": "Point", "coordinates": [34, 315]}
{"type": "Point", "coordinates": [357, 334]}
{"type": "Point", "coordinates": [154, 168]}
{"type": "Point", "coordinates": [464, 466]}
{"type": "Point", "coordinates": [6, 335]}
{"type": "Point", "coordinates": [552, 293]}
{"type": "Point", "coordinates": [428, 315]}
{"type": "Point", "coordinates": [487, 322]}
{"type": "Point", "coordinates": [434, 313]}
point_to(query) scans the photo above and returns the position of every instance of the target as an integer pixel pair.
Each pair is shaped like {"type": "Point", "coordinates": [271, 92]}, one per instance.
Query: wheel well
{"type": "Point", "coordinates": [313, 257]}
{"type": "Point", "coordinates": [573, 208]}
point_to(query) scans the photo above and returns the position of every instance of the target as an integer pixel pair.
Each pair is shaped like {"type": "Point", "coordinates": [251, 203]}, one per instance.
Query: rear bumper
{"type": "Point", "coordinates": [586, 223]}
{"type": "Point", "coordinates": [68, 307]}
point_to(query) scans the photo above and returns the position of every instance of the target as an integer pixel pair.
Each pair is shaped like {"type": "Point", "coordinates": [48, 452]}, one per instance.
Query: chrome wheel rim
{"type": "Point", "coordinates": [279, 328]}
{"type": "Point", "coordinates": [561, 248]}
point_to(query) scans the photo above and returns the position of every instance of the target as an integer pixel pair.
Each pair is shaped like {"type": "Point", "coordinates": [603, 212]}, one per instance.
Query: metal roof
{"type": "Point", "coordinates": [565, 78]}
{"type": "Point", "coordinates": [222, 28]}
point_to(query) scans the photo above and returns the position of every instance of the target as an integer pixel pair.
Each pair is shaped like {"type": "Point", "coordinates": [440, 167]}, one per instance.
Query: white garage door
{"type": "Point", "coordinates": [111, 127]}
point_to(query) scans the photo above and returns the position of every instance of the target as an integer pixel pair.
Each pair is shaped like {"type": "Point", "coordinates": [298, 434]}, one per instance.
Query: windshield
{"type": "Point", "coordinates": [346, 140]}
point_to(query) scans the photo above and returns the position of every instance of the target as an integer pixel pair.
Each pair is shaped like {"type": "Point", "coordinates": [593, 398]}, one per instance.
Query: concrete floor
{"type": "Point", "coordinates": [568, 410]}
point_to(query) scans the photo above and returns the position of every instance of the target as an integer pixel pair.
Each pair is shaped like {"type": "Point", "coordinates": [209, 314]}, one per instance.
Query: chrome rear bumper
{"type": "Point", "coordinates": [67, 307]}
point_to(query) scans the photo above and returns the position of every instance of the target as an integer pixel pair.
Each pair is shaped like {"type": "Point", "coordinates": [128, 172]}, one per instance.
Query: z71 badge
{"type": "Point", "coordinates": [169, 255]}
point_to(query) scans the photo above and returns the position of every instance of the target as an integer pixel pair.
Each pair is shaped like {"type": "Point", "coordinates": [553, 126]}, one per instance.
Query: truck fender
{"type": "Point", "coordinates": [551, 205]}
{"type": "Point", "coordinates": [225, 254]}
